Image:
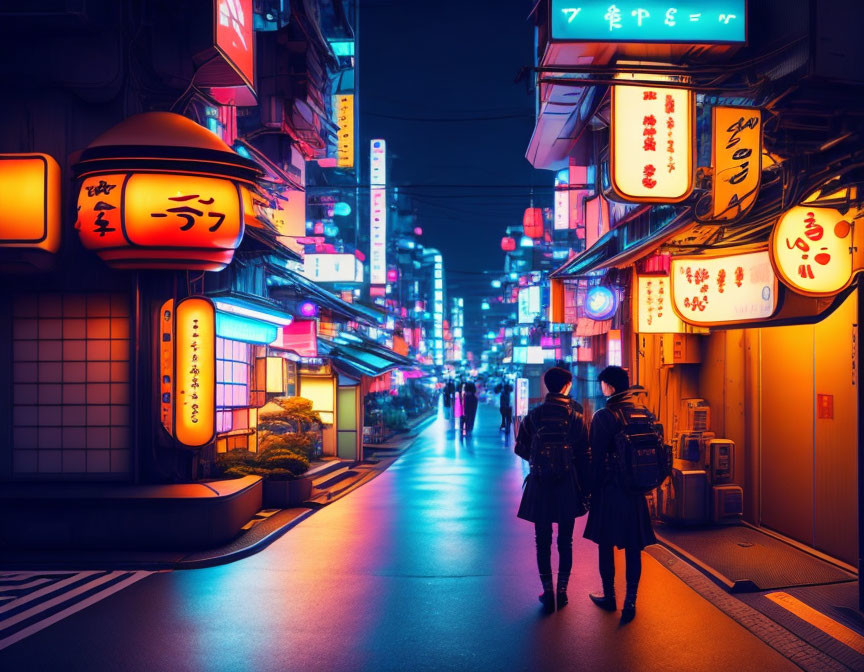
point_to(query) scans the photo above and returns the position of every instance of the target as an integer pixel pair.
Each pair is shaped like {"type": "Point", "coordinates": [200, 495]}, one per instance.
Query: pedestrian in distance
{"type": "Point", "coordinates": [505, 408]}
{"type": "Point", "coordinates": [554, 441]}
{"type": "Point", "coordinates": [619, 514]}
{"type": "Point", "coordinates": [449, 393]}
{"type": "Point", "coordinates": [469, 407]}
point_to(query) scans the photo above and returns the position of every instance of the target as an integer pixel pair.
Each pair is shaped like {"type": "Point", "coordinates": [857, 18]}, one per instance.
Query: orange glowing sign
{"type": "Point", "coordinates": [345, 116]}
{"type": "Point", "coordinates": [652, 143]}
{"type": "Point", "coordinates": [654, 306]}
{"type": "Point", "coordinates": [815, 251]}
{"type": "Point", "coordinates": [235, 36]}
{"type": "Point", "coordinates": [29, 201]}
{"type": "Point", "coordinates": [737, 160]}
{"type": "Point", "coordinates": [166, 365]}
{"type": "Point", "coordinates": [160, 220]}
{"type": "Point", "coordinates": [709, 290]}
{"type": "Point", "coordinates": [195, 371]}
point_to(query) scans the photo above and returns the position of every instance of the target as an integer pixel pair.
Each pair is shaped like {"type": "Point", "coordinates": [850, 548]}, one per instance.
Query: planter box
{"type": "Point", "coordinates": [286, 494]}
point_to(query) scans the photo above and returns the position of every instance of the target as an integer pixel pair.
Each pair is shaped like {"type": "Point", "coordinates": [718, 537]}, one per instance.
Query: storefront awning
{"type": "Point", "coordinates": [355, 362]}
{"type": "Point", "coordinates": [249, 320]}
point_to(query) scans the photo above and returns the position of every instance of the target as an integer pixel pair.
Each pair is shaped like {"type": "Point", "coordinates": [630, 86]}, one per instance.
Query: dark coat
{"type": "Point", "coordinates": [565, 499]}
{"type": "Point", "coordinates": [469, 404]}
{"type": "Point", "coordinates": [618, 517]}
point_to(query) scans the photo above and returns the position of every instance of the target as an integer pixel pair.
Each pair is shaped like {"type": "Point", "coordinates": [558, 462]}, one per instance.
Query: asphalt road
{"type": "Point", "coordinates": [424, 568]}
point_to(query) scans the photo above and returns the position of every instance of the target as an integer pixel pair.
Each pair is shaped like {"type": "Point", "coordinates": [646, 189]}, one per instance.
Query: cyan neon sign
{"type": "Point", "coordinates": [698, 21]}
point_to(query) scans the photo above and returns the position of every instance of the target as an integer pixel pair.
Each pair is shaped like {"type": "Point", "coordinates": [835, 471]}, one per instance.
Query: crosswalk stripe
{"type": "Point", "coordinates": [60, 615]}
{"type": "Point", "coordinates": [47, 590]}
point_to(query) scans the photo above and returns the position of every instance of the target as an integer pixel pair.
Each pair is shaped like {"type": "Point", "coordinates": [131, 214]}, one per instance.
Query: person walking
{"type": "Point", "coordinates": [469, 407]}
{"type": "Point", "coordinates": [449, 393]}
{"type": "Point", "coordinates": [505, 409]}
{"type": "Point", "coordinates": [619, 517]}
{"type": "Point", "coordinates": [554, 441]}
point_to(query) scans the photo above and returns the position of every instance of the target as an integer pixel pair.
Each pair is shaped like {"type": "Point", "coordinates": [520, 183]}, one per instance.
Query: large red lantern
{"type": "Point", "coordinates": [532, 222]}
{"type": "Point", "coordinates": [160, 191]}
{"type": "Point", "coordinates": [508, 244]}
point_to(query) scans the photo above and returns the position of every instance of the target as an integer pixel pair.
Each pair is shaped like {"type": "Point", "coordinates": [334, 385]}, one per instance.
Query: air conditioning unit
{"type": "Point", "coordinates": [690, 449]}
{"type": "Point", "coordinates": [695, 416]}
{"type": "Point", "coordinates": [727, 504]}
{"type": "Point", "coordinates": [721, 460]}
{"type": "Point", "coordinates": [684, 497]}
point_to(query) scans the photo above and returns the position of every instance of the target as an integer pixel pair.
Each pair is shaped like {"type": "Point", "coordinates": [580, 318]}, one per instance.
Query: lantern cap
{"type": "Point", "coordinates": [165, 142]}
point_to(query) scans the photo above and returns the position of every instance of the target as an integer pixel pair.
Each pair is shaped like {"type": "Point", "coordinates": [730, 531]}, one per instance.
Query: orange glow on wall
{"type": "Point", "coordinates": [160, 220]}
{"type": "Point", "coordinates": [815, 250]}
{"type": "Point", "coordinates": [195, 372]}
{"type": "Point", "coordinates": [29, 201]}
{"type": "Point", "coordinates": [652, 147]}
{"type": "Point", "coordinates": [737, 160]}
{"type": "Point", "coordinates": [166, 365]}
{"type": "Point", "coordinates": [711, 290]}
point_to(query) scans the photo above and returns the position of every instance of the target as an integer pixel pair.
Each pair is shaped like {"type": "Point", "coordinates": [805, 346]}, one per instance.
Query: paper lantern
{"type": "Point", "coordinates": [508, 244]}
{"type": "Point", "coordinates": [195, 371]}
{"type": "Point", "coordinates": [160, 191]}
{"type": "Point", "coordinates": [532, 222]}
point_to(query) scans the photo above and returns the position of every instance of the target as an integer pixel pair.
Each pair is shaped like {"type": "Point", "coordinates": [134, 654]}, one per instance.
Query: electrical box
{"type": "Point", "coordinates": [680, 349]}
{"type": "Point", "coordinates": [721, 458]}
{"type": "Point", "coordinates": [695, 416]}
{"type": "Point", "coordinates": [727, 504]}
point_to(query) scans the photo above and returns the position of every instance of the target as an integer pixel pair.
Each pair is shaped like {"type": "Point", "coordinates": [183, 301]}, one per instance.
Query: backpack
{"type": "Point", "coordinates": [551, 454]}
{"type": "Point", "coordinates": [641, 460]}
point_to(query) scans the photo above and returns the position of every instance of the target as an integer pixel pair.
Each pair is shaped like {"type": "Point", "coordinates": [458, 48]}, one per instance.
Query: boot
{"type": "Point", "coordinates": [606, 599]}
{"type": "Point", "coordinates": [628, 609]}
{"type": "Point", "coordinates": [561, 590]}
{"type": "Point", "coordinates": [547, 597]}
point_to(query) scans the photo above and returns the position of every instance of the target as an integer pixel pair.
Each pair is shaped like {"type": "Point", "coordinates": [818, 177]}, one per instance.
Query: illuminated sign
{"type": "Point", "coordinates": [600, 303]}
{"type": "Point", "coordinates": [562, 200]}
{"type": "Point", "coordinates": [654, 307]}
{"type": "Point", "coordinates": [813, 250]}
{"type": "Point", "coordinates": [344, 105]}
{"type": "Point", "coordinates": [724, 290]}
{"type": "Point", "coordinates": [529, 304]}
{"type": "Point", "coordinates": [737, 160]}
{"type": "Point", "coordinates": [166, 366]}
{"type": "Point", "coordinates": [195, 371]}
{"type": "Point", "coordinates": [652, 143]}
{"type": "Point", "coordinates": [160, 220]}
{"type": "Point", "coordinates": [378, 214]}
{"type": "Point", "coordinates": [333, 268]}
{"type": "Point", "coordinates": [235, 37]}
{"type": "Point", "coordinates": [521, 397]}
{"type": "Point", "coordinates": [29, 201]}
{"type": "Point", "coordinates": [699, 21]}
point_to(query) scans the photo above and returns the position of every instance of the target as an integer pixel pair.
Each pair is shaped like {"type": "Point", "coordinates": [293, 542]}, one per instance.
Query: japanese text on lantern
{"type": "Point", "coordinates": [737, 160]}
{"type": "Point", "coordinates": [715, 290]}
{"type": "Point", "coordinates": [652, 143]}
{"type": "Point", "coordinates": [195, 371]}
{"type": "Point", "coordinates": [654, 306]}
{"type": "Point", "coordinates": [812, 249]}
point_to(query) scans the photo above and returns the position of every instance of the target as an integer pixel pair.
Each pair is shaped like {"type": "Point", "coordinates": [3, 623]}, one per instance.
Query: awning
{"type": "Point", "coordinates": [354, 361]}
{"type": "Point", "coordinates": [248, 319]}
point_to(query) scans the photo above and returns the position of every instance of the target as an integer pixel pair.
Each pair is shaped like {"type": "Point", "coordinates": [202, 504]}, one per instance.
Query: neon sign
{"type": "Point", "coordinates": [29, 201]}
{"type": "Point", "coordinates": [736, 153]}
{"type": "Point", "coordinates": [600, 303]}
{"type": "Point", "coordinates": [378, 214]}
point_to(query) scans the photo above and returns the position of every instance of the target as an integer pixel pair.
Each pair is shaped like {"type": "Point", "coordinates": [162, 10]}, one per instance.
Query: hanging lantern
{"type": "Point", "coordinates": [508, 244]}
{"type": "Point", "coordinates": [532, 222]}
{"type": "Point", "coordinates": [160, 191]}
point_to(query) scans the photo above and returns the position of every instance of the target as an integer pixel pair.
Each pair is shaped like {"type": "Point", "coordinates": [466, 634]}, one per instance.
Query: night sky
{"type": "Point", "coordinates": [454, 61]}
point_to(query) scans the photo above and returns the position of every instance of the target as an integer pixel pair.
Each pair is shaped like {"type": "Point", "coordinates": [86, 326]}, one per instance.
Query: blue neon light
{"type": "Point", "coordinates": [239, 328]}
{"type": "Point", "coordinates": [600, 303]}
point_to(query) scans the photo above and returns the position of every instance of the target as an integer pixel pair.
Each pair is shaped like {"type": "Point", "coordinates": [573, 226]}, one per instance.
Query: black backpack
{"type": "Point", "coordinates": [641, 460]}
{"type": "Point", "coordinates": [551, 455]}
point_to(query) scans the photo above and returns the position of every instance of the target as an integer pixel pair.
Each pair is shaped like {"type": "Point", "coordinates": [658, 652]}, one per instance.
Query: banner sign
{"type": "Point", "coordinates": [235, 36]}
{"type": "Point", "coordinates": [345, 118]}
{"type": "Point", "coordinates": [652, 144]}
{"type": "Point", "coordinates": [696, 21]}
{"type": "Point", "coordinates": [378, 214]}
{"type": "Point", "coordinates": [166, 366]}
{"type": "Point", "coordinates": [654, 306]}
{"type": "Point", "coordinates": [724, 290]}
{"type": "Point", "coordinates": [736, 155]}
{"type": "Point", "coordinates": [195, 371]}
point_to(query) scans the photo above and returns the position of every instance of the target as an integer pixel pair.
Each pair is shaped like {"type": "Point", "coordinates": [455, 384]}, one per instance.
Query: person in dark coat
{"type": "Point", "coordinates": [449, 394]}
{"type": "Point", "coordinates": [618, 517]}
{"type": "Point", "coordinates": [504, 407]}
{"type": "Point", "coordinates": [469, 407]}
{"type": "Point", "coordinates": [561, 500]}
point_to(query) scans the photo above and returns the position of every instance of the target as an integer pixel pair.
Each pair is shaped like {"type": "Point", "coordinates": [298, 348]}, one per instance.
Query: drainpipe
{"type": "Point", "coordinates": [859, 353]}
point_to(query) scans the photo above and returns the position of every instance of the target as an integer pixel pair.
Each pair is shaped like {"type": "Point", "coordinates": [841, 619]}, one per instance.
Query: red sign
{"type": "Point", "coordinates": [235, 37]}
{"type": "Point", "coordinates": [825, 406]}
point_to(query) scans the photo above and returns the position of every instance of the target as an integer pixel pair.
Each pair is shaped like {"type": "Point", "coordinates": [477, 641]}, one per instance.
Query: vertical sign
{"type": "Point", "coordinates": [652, 143]}
{"type": "Point", "coordinates": [345, 118]}
{"type": "Point", "coordinates": [235, 37]}
{"type": "Point", "coordinates": [166, 365]}
{"type": "Point", "coordinates": [562, 200]}
{"type": "Point", "coordinates": [521, 397]}
{"type": "Point", "coordinates": [654, 306]}
{"type": "Point", "coordinates": [736, 155]}
{"type": "Point", "coordinates": [195, 371]}
{"type": "Point", "coordinates": [378, 224]}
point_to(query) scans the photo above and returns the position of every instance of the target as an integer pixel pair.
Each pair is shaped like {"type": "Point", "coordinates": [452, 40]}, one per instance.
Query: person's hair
{"type": "Point", "coordinates": [616, 377]}
{"type": "Point", "coordinates": [470, 387]}
{"type": "Point", "coordinates": [556, 378]}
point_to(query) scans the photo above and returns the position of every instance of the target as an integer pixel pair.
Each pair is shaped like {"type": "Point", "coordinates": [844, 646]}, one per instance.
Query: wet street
{"type": "Point", "coordinates": [424, 568]}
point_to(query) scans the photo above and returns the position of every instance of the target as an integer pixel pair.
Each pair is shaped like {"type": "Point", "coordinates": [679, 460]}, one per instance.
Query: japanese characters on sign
{"type": "Point", "coordinates": [166, 365]}
{"type": "Point", "coordinates": [700, 21]}
{"type": "Point", "coordinates": [654, 306]}
{"type": "Point", "coordinates": [345, 118]}
{"type": "Point", "coordinates": [813, 251]}
{"type": "Point", "coordinates": [29, 201]}
{"type": "Point", "coordinates": [235, 36]}
{"type": "Point", "coordinates": [723, 290]}
{"type": "Point", "coordinates": [378, 214]}
{"type": "Point", "coordinates": [195, 372]}
{"type": "Point", "coordinates": [142, 220]}
{"type": "Point", "coordinates": [652, 143]}
{"type": "Point", "coordinates": [737, 160]}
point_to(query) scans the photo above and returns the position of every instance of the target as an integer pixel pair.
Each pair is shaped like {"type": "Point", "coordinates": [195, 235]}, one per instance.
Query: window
{"type": "Point", "coordinates": [233, 375]}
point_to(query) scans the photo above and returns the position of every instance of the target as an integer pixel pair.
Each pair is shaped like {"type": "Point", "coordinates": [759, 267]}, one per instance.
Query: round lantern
{"type": "Point", "coordinates": [532, 222]}
{"type": "Point", "coordinates": [160, 191]}
{"type": "Point", "coordinates": [508, 244]}
{"type": "Point", "coordinates": [600, 303]}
